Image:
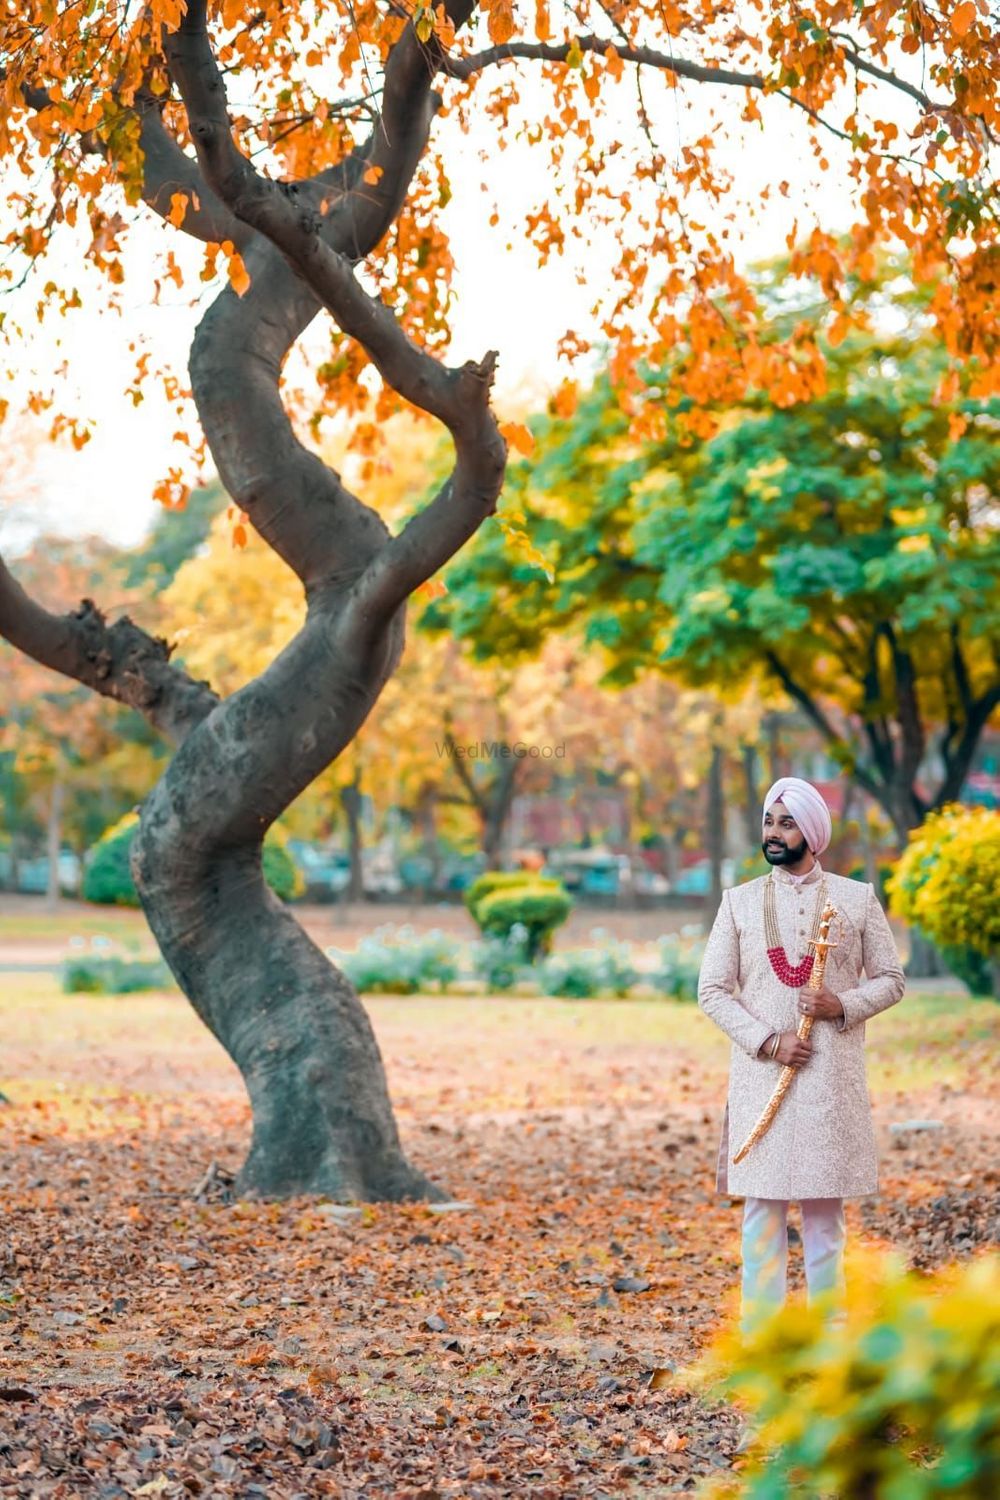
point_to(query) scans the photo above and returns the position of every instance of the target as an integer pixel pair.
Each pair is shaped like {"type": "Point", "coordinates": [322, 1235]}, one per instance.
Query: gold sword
{"type": "Point", "coordinates": [822, 945]}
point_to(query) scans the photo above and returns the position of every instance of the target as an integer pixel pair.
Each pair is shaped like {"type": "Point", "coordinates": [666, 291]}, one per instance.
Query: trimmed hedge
{"type": "Point", "coordinates": [539, 908]}
{"type": "Point", "coordinates": [115, 976]}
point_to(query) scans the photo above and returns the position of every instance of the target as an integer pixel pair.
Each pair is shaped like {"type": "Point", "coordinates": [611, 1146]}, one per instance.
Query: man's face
{"type": "Point", "coordinates": [783, 843]}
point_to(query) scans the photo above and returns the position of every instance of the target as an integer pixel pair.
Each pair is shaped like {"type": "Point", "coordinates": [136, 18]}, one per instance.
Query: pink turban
{"type": "Point", "coordinates": [807, 808]}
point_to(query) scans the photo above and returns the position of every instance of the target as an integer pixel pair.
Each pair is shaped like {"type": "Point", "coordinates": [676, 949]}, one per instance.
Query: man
{"type": "Point", "coordinates": [820, 1148]}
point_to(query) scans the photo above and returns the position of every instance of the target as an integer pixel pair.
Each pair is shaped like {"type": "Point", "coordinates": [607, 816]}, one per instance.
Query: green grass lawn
{"type": "Point", "coordinates": [927, 1040]}
{"type": "Point", "coordinates": [36, 923]}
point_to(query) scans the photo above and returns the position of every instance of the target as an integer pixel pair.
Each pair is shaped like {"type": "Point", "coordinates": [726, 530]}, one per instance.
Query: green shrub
{"type": "Point", "coordinates": [539, 907]}
{"type": "Point", "coordinates": [971, 968]}
{"type": "Point", "coordinates": [897, 1403]}
{"type": "Point", "coordinates": [398, 961]}
{"type": "Point", "coordinates": [501, 962]}
{"type": "Point", "coordinates": [585, 972]}
{"type": "Point", "coordinates": [280, 870]}
{"type": "Point", "coordinates": [676, 973]}
{"type": "Point", "coordinates": [107, 878]}
{"type": "Point", "coordinates": [858, 872]}
{"type": "Point", "coordinates": [114, 976]}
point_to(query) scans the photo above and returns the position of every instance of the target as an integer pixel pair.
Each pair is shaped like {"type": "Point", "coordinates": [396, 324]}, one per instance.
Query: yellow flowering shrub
{"type": "Point", "coordinates": [900, 1402]}
{"type": "Point", "coordinates": [947, 881]}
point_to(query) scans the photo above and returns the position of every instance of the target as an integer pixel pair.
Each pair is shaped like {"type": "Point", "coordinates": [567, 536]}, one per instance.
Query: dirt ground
{"type": "Point", "coordinates": [167, 1342]}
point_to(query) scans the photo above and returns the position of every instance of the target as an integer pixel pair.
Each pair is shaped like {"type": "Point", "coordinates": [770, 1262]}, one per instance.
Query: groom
{"type": "Point", "coordinates": [820, 1148]}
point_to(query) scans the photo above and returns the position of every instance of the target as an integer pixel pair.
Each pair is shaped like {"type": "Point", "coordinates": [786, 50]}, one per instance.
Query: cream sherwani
{"type": "Point", "coordinates": [822, 1142]}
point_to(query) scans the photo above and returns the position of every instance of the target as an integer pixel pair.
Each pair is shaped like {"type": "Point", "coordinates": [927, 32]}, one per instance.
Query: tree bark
{"type": "Point", "coordinates": [752, 795]}
{"type": "Point", "coordinates": [715, 832]}
{"type": "Point", "coordinates": [53, 840]}
{"type": "Point", "coordinates": [322, 1121]}
{"type": "Point", "coordinates": [496, 812]}
{"type": "Point", "coordinates": [290, 1020]}
{"type": "Point", "coordinates": [350, 801]}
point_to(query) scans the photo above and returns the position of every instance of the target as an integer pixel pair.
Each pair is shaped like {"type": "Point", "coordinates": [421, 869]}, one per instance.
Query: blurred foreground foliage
{"type": "Point", "coordinates": [900, 1401]}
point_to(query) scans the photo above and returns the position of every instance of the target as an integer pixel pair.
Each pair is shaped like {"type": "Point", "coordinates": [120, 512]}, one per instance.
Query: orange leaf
{"type": "Point", "coordinates": [518, 437]}
{"type": "Point", "coordinates": [433, 588]}
{"type": "Point", "coordinates": [239, 276]}
{"type": "Point", "coordinates": [373, 174]}
{"type": "Point", "coordinates": [564, 402]}
{"type": "Point", "coordinates": [963, 18]}
{"type": "Point", "coordinates": [239, 536]}
{"type": "Point", "coordinates": [178, 208]}
{"type": "Point", "coordinates": [838, 330]}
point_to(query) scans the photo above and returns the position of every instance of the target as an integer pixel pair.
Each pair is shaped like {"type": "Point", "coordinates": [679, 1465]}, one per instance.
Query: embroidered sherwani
{"type": "Point", "coordinates": [821, 1143]}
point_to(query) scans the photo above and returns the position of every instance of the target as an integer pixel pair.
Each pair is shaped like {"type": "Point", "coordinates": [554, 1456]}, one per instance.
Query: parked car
{"type": "Point", "coordinates": [33, 874]}
{"type": "Point", "coordinates": [327, 872]}
{"type": "Point", "coordinates": [696, 879]}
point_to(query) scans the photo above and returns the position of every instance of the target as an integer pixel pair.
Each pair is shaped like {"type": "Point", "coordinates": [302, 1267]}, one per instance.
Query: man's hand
{"type": "Point", "coordinates": [821, 1004]}
{"type": "Point", "coordinates": [792, 1050]}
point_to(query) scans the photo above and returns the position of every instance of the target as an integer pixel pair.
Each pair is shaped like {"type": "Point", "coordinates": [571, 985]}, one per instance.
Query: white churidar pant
{"type": "Point", "coordinates": [765, 1252]}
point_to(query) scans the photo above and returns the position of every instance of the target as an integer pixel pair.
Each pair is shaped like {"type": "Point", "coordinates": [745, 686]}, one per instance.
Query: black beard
{"type": "Point", "coordinates": [789, 855]}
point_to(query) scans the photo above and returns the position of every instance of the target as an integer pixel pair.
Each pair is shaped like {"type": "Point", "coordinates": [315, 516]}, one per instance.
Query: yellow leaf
{"type": "Point", "coordinates": [518, 437]}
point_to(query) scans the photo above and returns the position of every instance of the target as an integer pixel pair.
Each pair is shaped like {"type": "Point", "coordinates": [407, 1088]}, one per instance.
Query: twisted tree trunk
{"type": "Point", "coordinates": [322, 1120]}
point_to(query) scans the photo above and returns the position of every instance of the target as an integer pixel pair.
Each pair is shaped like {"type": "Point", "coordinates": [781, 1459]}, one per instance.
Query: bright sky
{"type": "Point", "coordinates": [504, 301]}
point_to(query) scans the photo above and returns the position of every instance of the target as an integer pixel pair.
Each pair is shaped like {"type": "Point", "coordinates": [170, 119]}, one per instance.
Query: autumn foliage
{"type": "Point", "coordinates": [623, 105]}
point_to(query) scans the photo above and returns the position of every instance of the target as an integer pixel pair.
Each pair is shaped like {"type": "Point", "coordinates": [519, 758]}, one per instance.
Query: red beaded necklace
{"type": "Point", "coordinates": [794, 975]}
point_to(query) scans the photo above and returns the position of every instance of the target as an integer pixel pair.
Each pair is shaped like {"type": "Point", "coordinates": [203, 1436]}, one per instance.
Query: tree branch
{"type": "Point", "coordinates": [814, 712]}
{"type": "Point", "coordinates": [958, 762]}
{"type": "Point", "coordinates": [290, 216]}
{"type": "Point", "coordinates": [475, 797]}
{"type": "Point", "coordinates": [558, 52]}
{"type": "Point", "coordinates": [910, 721]}
{"type": "Point", "coordinates": [119, 661]}
{"type": "Point", "coordinates": [166, 170]}
{"type": "Point", "coordinates": [861, 63]}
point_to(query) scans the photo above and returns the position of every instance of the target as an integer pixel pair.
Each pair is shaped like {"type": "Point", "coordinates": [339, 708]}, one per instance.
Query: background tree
{"type": "Point", "coordinates": [843, 550]}
{"type": "Point", "coordinates": [109, 100]}
{"type": "Point", "coordinates": [74, 763]}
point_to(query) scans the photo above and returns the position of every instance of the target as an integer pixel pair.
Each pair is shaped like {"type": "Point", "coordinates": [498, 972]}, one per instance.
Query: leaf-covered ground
{"type": "Point", "coordinates": [156, 1342]}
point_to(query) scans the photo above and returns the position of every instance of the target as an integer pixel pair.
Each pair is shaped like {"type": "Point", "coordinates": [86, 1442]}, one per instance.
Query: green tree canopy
{"type": "Point", "coordinates": [846, 549]}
